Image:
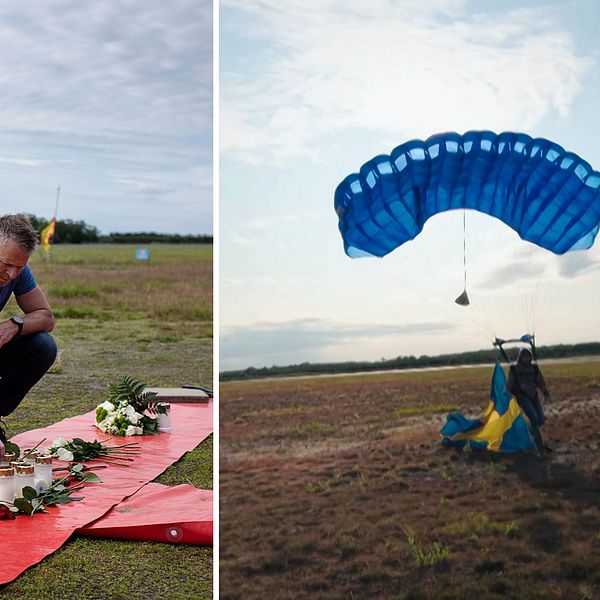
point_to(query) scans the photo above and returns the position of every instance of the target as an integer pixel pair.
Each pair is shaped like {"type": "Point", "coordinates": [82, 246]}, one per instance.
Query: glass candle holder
{"type": "Point", "coordinates": [30, 458]}
{"type": "Point", "coordinates": [43, 472]}
{"type": "Point", "coordinates": [24, 477]}
{"type": "Point", "coordinates": [7, 484]}
{"type": "Point", "coordinates": [8, 457]}
{"type": "Point", "coordinates": [164, 420]}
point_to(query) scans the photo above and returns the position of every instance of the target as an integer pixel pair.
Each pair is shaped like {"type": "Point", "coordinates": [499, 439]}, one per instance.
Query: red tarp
{"type": "Point", "coordinates": [181, 514]}
{"type": "Point", "coordinates": [27, 540]}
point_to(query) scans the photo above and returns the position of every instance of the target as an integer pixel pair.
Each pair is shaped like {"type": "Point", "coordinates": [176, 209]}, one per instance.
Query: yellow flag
{"type": "Point", "coordinates": [47, 235]}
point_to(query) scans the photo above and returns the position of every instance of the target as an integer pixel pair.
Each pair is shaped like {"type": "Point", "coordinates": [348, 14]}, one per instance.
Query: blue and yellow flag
{"type": "Point", "coordinates": [501, 428]}
{"type": "Point", "coordinates": [47, 235]}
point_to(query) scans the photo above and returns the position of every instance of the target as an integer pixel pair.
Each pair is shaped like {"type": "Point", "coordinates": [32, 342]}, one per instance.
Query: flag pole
{"type": "Point", "coordinates": [57, 198]}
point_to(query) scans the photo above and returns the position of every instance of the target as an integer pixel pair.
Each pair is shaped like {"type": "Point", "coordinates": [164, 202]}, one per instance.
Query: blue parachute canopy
{"type": "Point", "coordinates": [550, 197]}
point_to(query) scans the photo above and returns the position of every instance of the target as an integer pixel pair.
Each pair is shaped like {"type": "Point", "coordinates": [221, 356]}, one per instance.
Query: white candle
{"type": "Point", "coordinates": [23, 478]}
{"type": "Point", "coordinates": [30, 458]}
{"type": "Point", "coordinates": [7, 484]}
{"type": "Point", "coordinates": [164, 420]}
{"type": "Point", "coordinates": [43, 473]}
{"type": "Point", "coordinates": [8, 457]}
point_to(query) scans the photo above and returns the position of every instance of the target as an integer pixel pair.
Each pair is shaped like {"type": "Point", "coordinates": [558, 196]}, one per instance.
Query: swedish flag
{"type": "Point", "coordinates": [501, 428]}
{"type": "Point", "coordinates": [47, 235]}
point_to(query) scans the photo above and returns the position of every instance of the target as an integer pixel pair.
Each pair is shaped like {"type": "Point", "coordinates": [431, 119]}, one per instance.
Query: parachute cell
{"type": "Point", "coordinates": [550, 197]}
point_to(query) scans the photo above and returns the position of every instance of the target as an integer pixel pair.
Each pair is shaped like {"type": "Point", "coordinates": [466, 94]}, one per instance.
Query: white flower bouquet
{"type": "Point", "coordinates": [124, 411]}
{"type": "Point", "coordinates": [119, 419]}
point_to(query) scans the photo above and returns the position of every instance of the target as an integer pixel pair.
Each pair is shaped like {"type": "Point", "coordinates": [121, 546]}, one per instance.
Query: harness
{"type": "Point", "coordinates": [513, 371]}
{"type": "Point", "coordinates": [525, 339]}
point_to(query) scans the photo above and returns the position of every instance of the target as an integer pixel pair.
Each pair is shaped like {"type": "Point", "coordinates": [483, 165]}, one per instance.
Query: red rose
{"type": "Point", "coordinates": [5, 513]}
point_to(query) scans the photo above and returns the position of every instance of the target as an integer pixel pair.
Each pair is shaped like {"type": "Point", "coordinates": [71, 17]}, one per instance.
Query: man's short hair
{"type": "Point", "coordinates": [18, 228]}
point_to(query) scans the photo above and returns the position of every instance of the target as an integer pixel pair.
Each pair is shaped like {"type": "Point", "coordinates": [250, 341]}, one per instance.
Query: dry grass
{"type": "Point", "coordinates": [104, 282]}
{"type": "Point", "coordinates": [321, 481]}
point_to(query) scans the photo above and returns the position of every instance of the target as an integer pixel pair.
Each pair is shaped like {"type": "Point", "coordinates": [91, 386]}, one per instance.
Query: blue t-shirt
{"type": "Point", "coordinates": [23, 283]}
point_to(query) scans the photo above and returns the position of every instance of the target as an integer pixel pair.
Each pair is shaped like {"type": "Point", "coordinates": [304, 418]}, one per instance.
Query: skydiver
{"type": "Point", "coordinates": [524, 381]}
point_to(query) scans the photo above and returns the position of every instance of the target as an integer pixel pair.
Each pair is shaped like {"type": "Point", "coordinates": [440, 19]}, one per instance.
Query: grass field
{"type": "Point", "coordinates": [339, 488]}
{"type": "Point", "coordinates": [151, 321]}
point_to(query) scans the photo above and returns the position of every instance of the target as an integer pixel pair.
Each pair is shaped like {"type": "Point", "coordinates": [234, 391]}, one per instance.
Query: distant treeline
{"type": "Point", "coordinates": [79, 232]}
{"type": "Point", "coordinates": [410, 362]}
{"type": "Point", "coordinates": [149, 237]}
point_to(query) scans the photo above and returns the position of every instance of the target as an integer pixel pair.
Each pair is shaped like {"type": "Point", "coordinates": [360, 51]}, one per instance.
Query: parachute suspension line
{"type": "Point", "coordinates": [463, 299]}
{"type": "Point", "coordinates": [524, 292]}
{"type": "Point", "coordinates": [545, 300]}
{"type": "Point", "coordinates": [479, 314]}
{"type": "Point", "coordinates": [547, 304]}
{"type": "Point", "coordinates": [486, 317]}
{"type": "Point", "coordinates": [531, 292]}
{"type": "Point", "coordinates": [465, 246]}
{"type": "Point", "coordinates": [535, 295]}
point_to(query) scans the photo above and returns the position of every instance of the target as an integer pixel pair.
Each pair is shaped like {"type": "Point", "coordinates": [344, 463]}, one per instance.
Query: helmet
{"type": "Point", "coordinates": [522, 352]}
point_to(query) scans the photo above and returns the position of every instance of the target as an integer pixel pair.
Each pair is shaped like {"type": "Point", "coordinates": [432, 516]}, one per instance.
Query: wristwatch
{"type": "Point", "coordinates": [18, 321]}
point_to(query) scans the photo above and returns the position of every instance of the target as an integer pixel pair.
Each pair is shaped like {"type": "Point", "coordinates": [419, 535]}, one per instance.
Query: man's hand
{"type": "Point", "coordinates": [8, 330]}
{"type": "Point", "coordinates": [2, 450]}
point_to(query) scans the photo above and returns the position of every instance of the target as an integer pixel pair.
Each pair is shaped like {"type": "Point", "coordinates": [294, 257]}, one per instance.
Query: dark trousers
{"type": "Point", "coordinates": [532, 408]}
{"type": "Point", "coordinates": [23, 362]}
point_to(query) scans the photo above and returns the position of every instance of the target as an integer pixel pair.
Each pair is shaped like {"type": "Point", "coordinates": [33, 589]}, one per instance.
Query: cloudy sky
{"type": "Point", "coordinates": [310, 92]}
{"type": "Point", "coordinates": [113, 102]}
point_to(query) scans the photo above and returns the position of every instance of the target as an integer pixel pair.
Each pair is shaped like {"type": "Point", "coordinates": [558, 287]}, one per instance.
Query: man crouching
{"type": "Point", "coordinates": [26, 349]}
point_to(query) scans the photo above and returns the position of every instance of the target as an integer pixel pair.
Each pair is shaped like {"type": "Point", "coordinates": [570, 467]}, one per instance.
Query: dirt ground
{"type": "Point", "coordinates": [340, 488]}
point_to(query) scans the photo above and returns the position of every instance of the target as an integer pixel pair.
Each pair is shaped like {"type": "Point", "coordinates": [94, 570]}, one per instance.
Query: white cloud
{"type": "Point", "coordinates": [245, 282]}
{"type": "Point", "coordinates": [394, 68]}
{"type": "Point", "coordinates": [577, 264]}
{"type": "Point", "coordinates": [112, 100]}
{"type": "Point", "coordinates": [539, 267]}
{"type": "Point", "coordinates": [146, 188]}
{"type": "Point", "coordinates": [252, 232]}
{"type": "Point", "coordinates": [241, 240]}
{"type": "Point", "coordinates": [22, 162]}
{"type": "Point", "coordinates": [106, 67]}
{"type": "Point", "coordinates": [291, 341]}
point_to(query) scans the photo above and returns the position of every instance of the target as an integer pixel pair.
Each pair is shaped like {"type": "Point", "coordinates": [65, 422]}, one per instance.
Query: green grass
{"type": "Point", "coordinates": [195, 468]}
{"type": "Point", "coordinates": [435, 554]}
{"type": "Point", "coordinates": [318, 428]}
{"type": "Point", "coordinates": [586, 369]}
{"type": "Point", "coordinates": [103, 281]}
{"type": "Point", "coordinates": [89, 568]}
{"type": "Point", "coordinates": [475, 525]}
{"type": "Point", "coordinates": [75, 290]}
{"type": "Point", "coordinates": [319, 382]}
{"type": "Point", "coordinates": [107, 324]}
